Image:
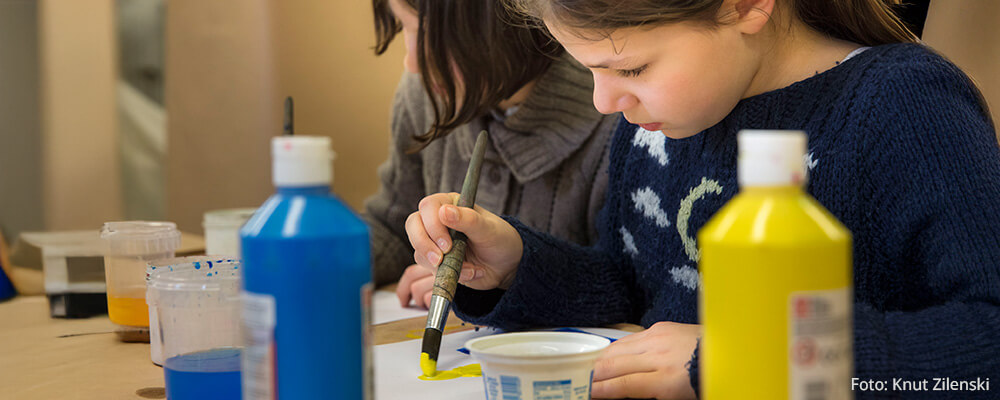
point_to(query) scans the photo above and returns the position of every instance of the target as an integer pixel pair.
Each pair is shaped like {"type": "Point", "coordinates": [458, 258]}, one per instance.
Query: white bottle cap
{"type": "Point", "coordinates": [300, 161]}
{"type": "Point", "coordinates": [771, 158]}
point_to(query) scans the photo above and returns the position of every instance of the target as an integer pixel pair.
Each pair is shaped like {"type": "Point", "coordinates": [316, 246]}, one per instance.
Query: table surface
{"type": "Point", "coordinates": [49, 358]}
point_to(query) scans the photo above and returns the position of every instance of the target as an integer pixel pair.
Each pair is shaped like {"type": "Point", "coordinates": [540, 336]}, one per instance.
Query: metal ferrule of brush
{"type": "Point", "coordinates": [437, 316]}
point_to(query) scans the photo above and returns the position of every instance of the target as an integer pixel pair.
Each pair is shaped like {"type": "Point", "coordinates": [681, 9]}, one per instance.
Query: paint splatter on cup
{"type": "Point", "coordinates": [156, 267]}
{"type": "Point", "coordinates": [538, 365]}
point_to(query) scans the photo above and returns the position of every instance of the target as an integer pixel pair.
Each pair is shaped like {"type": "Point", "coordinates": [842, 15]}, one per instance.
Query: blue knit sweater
{"type": "Point", "coordinates": [901, 151]}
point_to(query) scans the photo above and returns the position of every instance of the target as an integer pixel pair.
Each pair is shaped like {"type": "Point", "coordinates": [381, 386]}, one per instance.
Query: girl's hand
{"type": "Point", "coordinates": [648, 364]}
{"type": "Point", "coordinates": [494, 248]}
{"type": "Point", "coordinates": [416, 283]}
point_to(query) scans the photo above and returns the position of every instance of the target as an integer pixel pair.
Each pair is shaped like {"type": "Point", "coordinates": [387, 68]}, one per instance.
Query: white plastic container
{"type": "Point", "coordinates": [222, 230]}
{"type": "Point", "coordinates": [130, 245]}
{"type": "Point", "coordinates": [195, 304]}
{"type": "Point", "coordinates": [156, 267]}
{"type": "Point", "coordinates": [537, 365]}
{"type": "Point", "coordinates": [198, 318]}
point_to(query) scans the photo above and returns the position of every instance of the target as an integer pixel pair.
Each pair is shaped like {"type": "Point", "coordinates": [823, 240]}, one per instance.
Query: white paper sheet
{"type": "Point", "coordinates": [385, 308]}
{"type": "Point", "coordinates": [397, 367]}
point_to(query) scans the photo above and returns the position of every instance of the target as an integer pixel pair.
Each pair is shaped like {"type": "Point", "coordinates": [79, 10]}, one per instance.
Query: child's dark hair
{"type": "Point", "coordinates": [474, 51]}
{"type": "Point", "coordinates": [866, 22]}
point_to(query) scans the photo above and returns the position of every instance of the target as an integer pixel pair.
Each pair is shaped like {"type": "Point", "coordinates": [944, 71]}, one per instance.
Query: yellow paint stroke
{"type": "Point", "coordinates": [471, 370]}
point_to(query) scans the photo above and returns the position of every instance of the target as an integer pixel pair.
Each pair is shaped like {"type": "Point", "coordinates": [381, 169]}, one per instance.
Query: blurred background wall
{"type": "Point", "coordinates": [968, 32]}
{"type": "Point", "coordinates": [325, 61]}
{"type": "Point", "coordinates": [219, 94]}
{"type": "Point", "coordinates": [80, 169]}
{"type": "Point", "coordinates": [231, 63]}
{"type": "Point", "coordinates": [20, 132]}
{"type": "Point", "coordinates": [226, 67]}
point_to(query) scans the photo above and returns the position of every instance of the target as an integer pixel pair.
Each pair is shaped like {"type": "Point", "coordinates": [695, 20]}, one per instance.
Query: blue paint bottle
{"type": "Point", "coordinates": [307, 284]}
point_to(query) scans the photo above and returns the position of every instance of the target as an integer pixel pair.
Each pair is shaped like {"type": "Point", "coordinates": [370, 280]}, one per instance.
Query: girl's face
{"type": "Point", "coordinates": [410, 22]}
{"type": "Point", "coordinates": [407, 17]}
{"type": "Point", "coordinates": [679, 78]}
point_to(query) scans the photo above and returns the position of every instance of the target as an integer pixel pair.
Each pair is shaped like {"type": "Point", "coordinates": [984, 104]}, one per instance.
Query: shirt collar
{"type": "Point", "coordinates": [555, 120]}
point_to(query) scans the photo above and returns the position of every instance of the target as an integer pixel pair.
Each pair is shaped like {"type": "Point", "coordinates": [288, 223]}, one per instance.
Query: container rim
{"type": "Point", "coordinates": [181, 280]}
{"type": "Point", "coordinates": [139, 230]}
{"type": "Point", "coordinates": [481, 346]}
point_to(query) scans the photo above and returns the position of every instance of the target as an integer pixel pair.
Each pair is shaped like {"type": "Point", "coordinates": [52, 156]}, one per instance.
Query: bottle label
{"type": "Point", "coordinates": [820, 345]}
{"type": "Point", "coordinates": [259, 371]}
{"type": "Point", "coordinates": [366, 338]}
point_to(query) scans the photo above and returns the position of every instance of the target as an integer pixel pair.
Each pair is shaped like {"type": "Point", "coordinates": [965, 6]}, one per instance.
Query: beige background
{"type": "Point", "coordinates": [20, 140]}
{"type": "Point", "coordinates": [80, 170]}
{"type": "Point", "coordinates": [219, 94]}
{"type": "Point", "coordinates": [229, 65]}
{"type": "Point", "coordinates": [968, 32]}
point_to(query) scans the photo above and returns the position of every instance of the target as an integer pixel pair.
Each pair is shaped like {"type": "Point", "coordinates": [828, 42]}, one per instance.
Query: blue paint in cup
{"type": "Point", "coordinates": [212, 374]}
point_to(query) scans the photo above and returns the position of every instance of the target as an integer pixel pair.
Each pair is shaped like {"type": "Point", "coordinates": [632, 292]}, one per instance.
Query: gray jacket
{"type": "Point", "coordinates": [546, 164]}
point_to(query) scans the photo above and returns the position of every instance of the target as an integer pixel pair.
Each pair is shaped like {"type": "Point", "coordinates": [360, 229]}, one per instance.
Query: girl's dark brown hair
{"type": "Point", "coordinates": [474, 51]}
{"type": "Point", "coordinates": [866, 22]}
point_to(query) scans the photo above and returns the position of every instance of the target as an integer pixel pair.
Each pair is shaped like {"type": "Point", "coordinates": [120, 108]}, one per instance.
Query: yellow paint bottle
{"type": "Point", "coordinates": [776, 295]}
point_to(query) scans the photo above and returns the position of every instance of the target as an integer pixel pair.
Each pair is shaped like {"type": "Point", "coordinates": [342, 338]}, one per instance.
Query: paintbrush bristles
{"type": "Point", "coordinates": [431, 343]}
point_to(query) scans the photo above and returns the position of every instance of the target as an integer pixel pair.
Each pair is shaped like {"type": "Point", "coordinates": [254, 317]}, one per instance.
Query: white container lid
{"type": "Point", "coordinates": [537, 347]}
{"type": "Point", "coordinates": [140, 237]}
{"type": "Point", "coordinates": [771, 158]}
{"type": "Point", "coordinates": [300, 161]}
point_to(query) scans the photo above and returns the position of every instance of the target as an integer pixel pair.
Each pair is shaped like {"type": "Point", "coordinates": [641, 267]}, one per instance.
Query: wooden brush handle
{"type": "Point", "coordinates": [446, 279]}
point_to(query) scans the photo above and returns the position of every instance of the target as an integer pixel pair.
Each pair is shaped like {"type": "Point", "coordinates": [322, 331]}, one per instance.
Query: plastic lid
{"type": "Point", "coordinates": [233, 217]}
{"type": "Point", "coordinates": [141, 237]}
{"type": "Point", "coordinates": [300, 161]}
{"type": "Point", "coordinates": [771, 158]}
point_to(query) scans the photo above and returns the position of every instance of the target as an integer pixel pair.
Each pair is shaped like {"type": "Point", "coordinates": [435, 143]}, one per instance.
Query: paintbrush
{"type": "Point", "coordinates": [446, 279]}
{"type": "Point", "coordinates": [289, 117]}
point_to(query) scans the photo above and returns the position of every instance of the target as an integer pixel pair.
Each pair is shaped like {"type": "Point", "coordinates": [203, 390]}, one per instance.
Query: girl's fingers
{"type": "Point", "coordinates": [623, 347]}
{"type": "Point", "coordinates": [643, 385]}
{"type": "Point", "coordinates": [425, 251]}
{"type": "Point", "coordinates": [436, 230]}
{"type": "Point", "coordinates": [410, 274]}
{"type": "Point", "coordinates": [473, 223]}
{"type": "Point", "coordinates": [614, 367]}
{"type": "Point", "coordinates": [422, 290]}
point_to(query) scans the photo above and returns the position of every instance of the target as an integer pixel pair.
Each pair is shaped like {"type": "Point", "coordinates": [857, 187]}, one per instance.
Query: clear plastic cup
{"type": "Point", "coordinates": [156, 267]}
{"type": "Point", "coordinates": [537, 365]}
{"type": "Point", "coordinates": [222, 230]}
{"type": "Point", "coordinates": [198, 317]}
{"type": "Point", "coordinates": [131, 244]}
